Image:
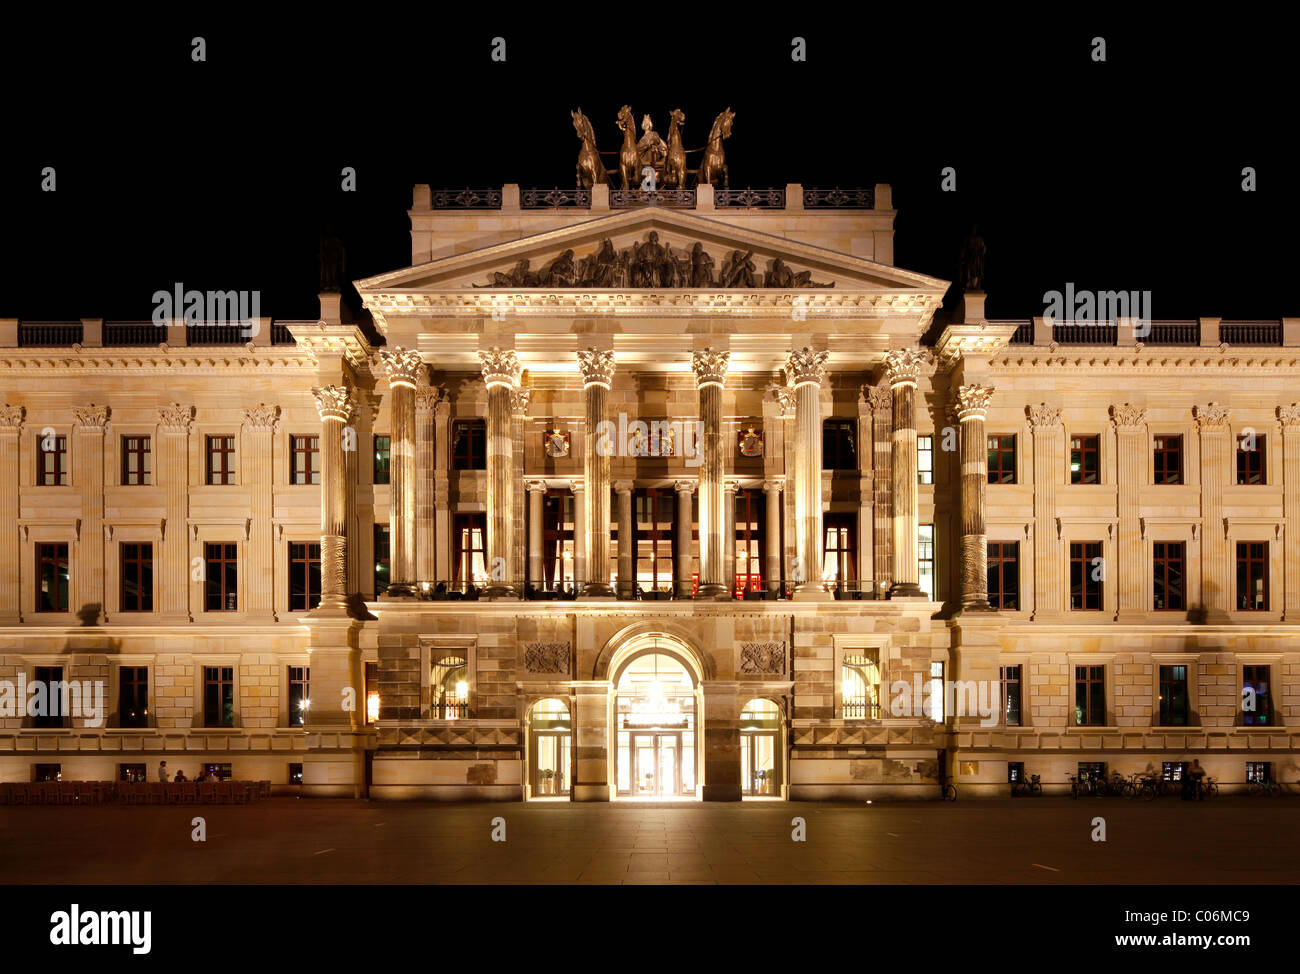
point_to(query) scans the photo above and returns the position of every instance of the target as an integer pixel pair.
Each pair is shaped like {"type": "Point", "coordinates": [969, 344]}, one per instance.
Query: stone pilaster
{"type": "Point", "coordinates": [805, 370]}
{"type": "Point", "coordinates": [591, 741]}
{"type": "Point", "coordinates": [784, 398]}
{"type": "Point", "coordinates": [1289, 420]}
{"type": "Point", "coordinates": [972, 408]}
{"type": "Point", "coordinates": [597, 377]}
{"type": "Point", "coordinates": [335, 405]}
{"type": "Point", "coordinates": [90, 565]}
{"type": "Point", "coordinates": [882, 479]}
{"type": "Point", "coordinates": [501, 376]}
{"type": "Point", "coordinates": [1217, 454]}
{"type": "Point", "coordinates": [441, 489]}
{"type": "Point", "coordinates": [11, 421]}
{"type": "Point", "coordinates": [404, 367]}
{"type": "Point", "coordinates": [866, 523]}
{"type": "Point", "coordinates": [682, 548]}
{"type": "Point", "coordinates": [903, 367]}
{"type": "Point", "coordinates": [260, 423]}
{"type": "Point", "coordinates": [536, 492]}
{"type": "Point", "coordinates": [1130, 473]}
{"type": "Point", "coordinates": [626, 541]}
{"type": "Point", "coordinates": [170, 472]}
{"type": "Point", "coordinates": [579, 533]}
{"type": "Point", "coordinates": [710, 370]}
{"type": "Point", "coordinates": [426, 401]}
{"type": "Point", "coordinates": [721, 741]}
{"type": "Point", "coordinates": [520, 399]}
{"type": "Point", "coordinates": [772, 510]}
{"type": "Point", "coordinates": [1049, 460]}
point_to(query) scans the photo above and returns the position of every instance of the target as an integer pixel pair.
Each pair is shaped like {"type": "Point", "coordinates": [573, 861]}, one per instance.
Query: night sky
{"type": "Point", "coordinates": [221, 175]}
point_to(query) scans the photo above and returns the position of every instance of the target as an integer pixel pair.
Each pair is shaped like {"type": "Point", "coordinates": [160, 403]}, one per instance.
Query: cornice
{"type": "Point", "coordinates": [1142, 361]}
{"type": "Point", "coordinates": [154, 361]}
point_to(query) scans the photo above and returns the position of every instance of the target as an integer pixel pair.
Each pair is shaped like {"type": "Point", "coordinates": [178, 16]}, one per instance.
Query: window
{"type": "Point", "coordinates": [304, 575]}
{"type": "Point", "coordinates": [925, 558]}
{"type": "Point", "coordinates": [450, 685]}
{"type": "Point", "coordinates": [1168, 460]}
{"type": "Point", "coordinates": [1257, 705]}
{"type": "Point", "coordinates": [1004, 575]}
{"type": "Point", "coordinates": [1168, 577]}
{"type": "Point", "coordinates": [1259, 771]}
{"type": "Point", "coordinates": [925, 459]}
{"type": "Point", "coordinates": [1002, 459]}
{"type": "Point", "coordinates": [749, 542]}
{"type": "Point", "coordinates": [937, 691]}
{"type": "Point", "coordinates": [1173, 696]}
{"type": "Point", "coordinates": [137, 578]}
{"type": "Point", "coordinates": [469, 444]}
{"type": "Point", "coordinates": [371, 676]}
{"type": "Point", "coordinates": [131, 772]}
{"type": "Point", "coordinates": [1086, 574]}
{"type": "Point", "coordinates": [860, 686]}
{"type": "Point", "coordinates": [557, 541]}
{"type": "Point", "coordinates": [221, 588]}
{"type": "Point", "coordinates": [839, 446]}
{"type": "Point", "coordinates": [1085, 459]}
{"type": "Point", "coordinates": [1015, 771]}
{"type": "Point", "coordinates": [652, 512]}
{"type": "Point", "coordinates": [299, 695]}
{"type": "Point", "coordinates": [295, 774]}
{"type": "Point", "coordinates": [52, 578]}
{"type": "Point", "coordinates": [839, 552]}
{"type": "Point", "coordinates": [383, 455]}
{"type": "Point", "coordinates": [470, 556]}
{"type": "Point", "coordinates": [218, 696]}
{"type": "Point", "coordinates": [221, 460]}
{"type": "Point", "coordinates": [135, 460]}
{"type": "Point", "coordinates": [1250, 459]}
{"type": "Point", "coordinates": [47, 710]}
{"type": "Point", "coordinates": [1092, 770]}
{"type": "Point", "coordinates": [383, 564]}
{"type": "Point", "coordinates": [304, 459]}
{"type": "Point", "coordinates": [1252, 576]}
{"type": "Point", "coordinates": [1010, 676]}
{"type": "Point", "coordinates": [221, 772]}
{"type": "Point", "coordinates": [1090, 696]}
{"type": "Point", "coordinates": [47, 772]}
{"type": "Point", "coordinates": [52, 463]}
{"type": "Point", "coordinates": [1174, 770]}
{"type": "Point", "coordinates": [133, 696]}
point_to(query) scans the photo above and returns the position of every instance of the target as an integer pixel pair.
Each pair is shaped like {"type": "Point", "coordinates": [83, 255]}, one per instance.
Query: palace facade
{"type": "Point", "coordinates": [691, 494]}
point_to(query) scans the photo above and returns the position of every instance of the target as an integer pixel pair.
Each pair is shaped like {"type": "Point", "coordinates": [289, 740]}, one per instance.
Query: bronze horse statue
{"type": "Point", "coordinates": [715, 161]}
{"type": "Point", "coordinates": [629, 157]}
{"type": "Point", "coordinates": [590, 169]}
{"type": "Point", "coordinates": [675, 164]}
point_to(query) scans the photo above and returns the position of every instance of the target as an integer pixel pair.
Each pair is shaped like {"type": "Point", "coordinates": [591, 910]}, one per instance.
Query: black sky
{"type": "Point", "coordinates": [1124, 175]}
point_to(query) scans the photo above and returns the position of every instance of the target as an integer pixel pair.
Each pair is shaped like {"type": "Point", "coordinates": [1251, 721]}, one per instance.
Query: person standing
{"type": "Point", "coordinates": [162, 770]}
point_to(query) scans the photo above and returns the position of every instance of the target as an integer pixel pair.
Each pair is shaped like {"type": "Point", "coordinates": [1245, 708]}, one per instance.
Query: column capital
{"type": "Point", "coordinates": [403, 365]}
{"type": "Point", "coordinates": [1125, 416]}
{"type": "Point", "coordinates": [535, 486]}
{"type": "Point", "coordinates": [597, 367]}
{"type": "Point", "coordinates": [427, 398]}
{"type": "Point", "coordinates": [904, 365]}
{"type": "Point", "coordinates": [684, 486]}
{"type": "Point", "coordinates": [261, 418]}
{"type": "Point", "coordinates": [806, 365]}
{"type": "Point", "coordinates": [731, 486]}
{"type": "Point", "coordinates": [1043, 415]}
{"type": "Point", "coordinates": [578, 487]}
{"type": "Point", "coordinates": [500, 367]}
{"type": "Point", "coordinates": [333, 402]}
{"type": "Point", "coordinates": [11, 417]}
{"type": "Point", "coordinates": [973, 401]}
{"type": "Point", "coordinates": [879, 398]}
{"type": "Point", "coordinates": [1288, 416]}
{"type": "Point", "coordinates": [784, 398]}
{"type": "Point", "coordinates": [176, 418]}
{"type": "Point", "coordinates": [1212, 417]}
{"type": "Point", "coordinates": [776, 483]}
{"type": "Point", "coordinates": [710, 367]}
{"type": "Point", "coordinates": [91, 418]}
{"type": "Point", "coordinates": [623, 486]}
{"type": "Point", "coordinates": [520, 398]}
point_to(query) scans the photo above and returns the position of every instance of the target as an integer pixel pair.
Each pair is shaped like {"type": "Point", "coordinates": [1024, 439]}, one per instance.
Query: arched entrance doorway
{"type": "Point", "coordinates": [550, 748]}
{"type": "Point", "coordinates": [761, 771]}
{"type": "Point", "coordinates": [655, 715]}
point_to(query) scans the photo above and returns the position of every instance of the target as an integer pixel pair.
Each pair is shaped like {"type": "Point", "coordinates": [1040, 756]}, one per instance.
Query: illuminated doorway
{"type": "Point", "coordinates": [760, 749]}
{"type": "Point", "coordinates": [655, 709]}
{"type": "Point", "coordinates": [550, 749]}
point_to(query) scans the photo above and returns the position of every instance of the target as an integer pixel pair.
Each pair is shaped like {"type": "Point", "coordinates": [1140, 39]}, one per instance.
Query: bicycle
{"type": "Point", "coordinates": [1147, 788]}
{"type": "Point", "coordinates": [949, 791]}
{"type": "Point", "coordinates": [1081, 786]}
{"type": "Point", "coordinates": [1211, 788]}
{"type": "Point", "coordinates": [1267, 789]}
{"type": "Point", "coordinates": [1026, 786]}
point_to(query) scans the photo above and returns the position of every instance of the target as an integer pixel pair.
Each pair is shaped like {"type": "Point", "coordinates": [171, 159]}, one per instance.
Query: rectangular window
{"type": "Point", "coordinates": [371, 677]}
{"type": "Point", "coordinates": [133, 696]}
{"type": "Point", "coordinates": [1015, 771]}
{"type": "Point", "coordinates": [383, 457]}
{"type": "Point", "coordinates": [1174, 770]}
{"type": "Point", "coordinates": [47, 772]}
{"type": "Point", "coordinates": [839, 444]}
{"type": "Point", "coordinates": [1168, 576]}
{"type": "Point", "coordinates": [839, 552]}
{"type": "Point", "coordinates": [1252, 576]}
{"type": "Point", "coordinates": [218, 696]}
{"type": "Point", "coordinates": [137, 577]}
{"type": "Point", "coordinates": [218, 772]}
{"type": "Point", "coordinates": [221, 460]}
{"type": "Point", "coordinates": [470, 555]}
{"type": "Point", "coordinates": [652, 513]}
{"type": "Point", "coordinates": [295, 774]}
{"type": "Point", "coordinates": [1250, 459]}
{"type": "Point", "coordinates": [449, 685]}
{"type": "Point", "coordinates": [1168, 460]}
{"type": "Point", "coordinates": [925, 459]}
{"type": "Point", "coordinates": [1085, 459]}
{"type": "Point", "coordinates": [135, 460]}
{"type": "Point", "coordinates": [1092, 770]}
{"type": "Point", "coordinates": [1002, 459]}
{"type": "Point", "coordinates": [1004, 575]}
{"type": "Point", "coordinates": [304, 575]}
{"type": "Point", "coordinates": [131, 772]}
{"type": "Point", "coordinates": [749, 542]}
{"type": "Point", "coordinates": [52, 578]}
{"type": "Point", "coordinates": [383, 563]}
{"type": "Point", "coordinates": [1259, 771]}
{"type": "Point", "coordinates": [1173, 696]}
{"type": "Point", "coordinates": [221, 588]}
{"type": "Point", "coordinates": [304, 459]}
{"type": "Point", "coordinates": [936, 691]}
{"type": "Point", "coordinates": [557, 540]}
{"type": "Point", "coordinates": [1086, 573]}
{"type": "Point", "coordinates": [299, 695]}
{"type": "Point", "coordinates": [469, 444]}
{"type": "Point", "coordinates": [1011, 696]}
{"type": "Point", "coordinates": [52, 463]}
{"type": "Point", "coordinates": [1090, 696]}
{"type": "Point", "coordinates": [925, 572]}
{"type": "Point", "coordinates": [860, 687]}
{"type": "Point", "coordinates": [52, 678]}
{"type": "Point", "coordinates": [1257, 703]}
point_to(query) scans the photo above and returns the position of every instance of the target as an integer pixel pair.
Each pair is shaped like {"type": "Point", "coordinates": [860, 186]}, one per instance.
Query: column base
{"type": "Point", "coordinates": [500, 592]}
{"type": "Point", "coordinates": [977, 605]}
{"type": "Point", "coordinates": [812, 593]}
{"type": "Point", "coordinates": [331, 606]}
{"type": "Point", "coordinates": [626, 591]}
{"type": "Point", "coordinates": [400, 590]}
{"type": "Point", "coordinates": [590, 793]}
{"type": "Point", "coordinates": [720, 793]}
{"type": "Point", "coordinates": [712, 592]}
{"type": "Point", "coordinates": [596, 590]}
{"type": "Point", "coordinates": [907, 590]}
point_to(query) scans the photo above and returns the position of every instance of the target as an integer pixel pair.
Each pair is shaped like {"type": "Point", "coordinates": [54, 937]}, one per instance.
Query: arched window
{"type": "Point", "coordinates": [450, 688]}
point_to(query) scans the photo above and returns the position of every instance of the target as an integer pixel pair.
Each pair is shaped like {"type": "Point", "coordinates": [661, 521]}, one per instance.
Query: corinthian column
{"type": "Point", "coordinates": [536, 494]}
{"type": "Point", "coordinates": [597, 376]}
{"type": "Point", "coordinates": [972, 409]}
{"type": "Point", "coordinates": [772, 541]}
{"type": "Point", "coordinates": [710, 369]}
{"type": "Point", "coordinates": [903, 367]}
{"type": "Point", "coordinates": [501, 376]}
{"type": "Point", "coordinates": [805, 370]}
{"type": "Point", "coordinates": [334, 403]}
{"type": "Point", "coordinates": [682, 547]}
{"type": "Point", "coordinates": [626, 541]}
{"type": "Point", "coordinates": [403, 369]}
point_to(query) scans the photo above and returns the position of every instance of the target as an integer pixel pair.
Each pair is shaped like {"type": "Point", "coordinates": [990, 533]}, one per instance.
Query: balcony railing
{"type": "Point", "coordinates": [467, 199]}
{"type": "Point", "coordinates": [1173, 333]}
{"type": "Point", "coordinates": [542, 199]}
{"type": "Point", "coordinates": [1024, 333]}
{"type": "Point", "coordinates": [450, 711]}
{"type": "Point", "coordinates": [1251, 332]}
{"type": "Point", "coordinates": [134, 334]}
{"type": "Point", "coordinates": [217, 335]}
{"type": "Point", "coordinates": [771, 199]}
{"type": "Point", "coordinates": [838, 199]}
{"type": "Point", "coordinates": [682, 199]}
{"type": "Point", "coordinates": [460, 591]}
{"type": "Point", "coordinates": [860, 708]}
{"type": "Point", "coordinates": [1084, 333]}
{"type": "Point", "coordinates": [49, 334]}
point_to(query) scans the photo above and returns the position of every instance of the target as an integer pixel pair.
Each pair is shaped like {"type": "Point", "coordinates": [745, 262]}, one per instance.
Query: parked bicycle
{"type": "Point", "coordinates": [1210, 789]}
{"type": "Point", "coordinates": [1146, 787]}
{"type": "Point", "coordinates": [1267, 788]}
{"type": "Point", "coordinates": [949, 792]}
{"type": "Point", "coordinates": [1030, 785]}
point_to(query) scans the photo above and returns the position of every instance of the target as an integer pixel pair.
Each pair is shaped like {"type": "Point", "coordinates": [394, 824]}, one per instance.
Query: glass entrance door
{"type": "Point", "coordinates": [656, 764]}
{"type": "Point", "coordinates": [551, 765]}
{"type": "Point", "coordinates": [758, 764]}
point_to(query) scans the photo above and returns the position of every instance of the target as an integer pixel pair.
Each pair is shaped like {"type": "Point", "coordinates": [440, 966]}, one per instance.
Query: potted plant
{"type": "Point", "coordinates": [546, 774]}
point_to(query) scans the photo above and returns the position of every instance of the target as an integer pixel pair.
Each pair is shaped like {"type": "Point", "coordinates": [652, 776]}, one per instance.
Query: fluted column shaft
{"type": "Point", "coordinates": [579, 534]}
{"type": "Point", "coordinates": [501, 376]}
{"type": "Point", "coordinates": [772, 538]}
{"type": "Point", "coordinates": [11, 420]}
{"type": "Point", "coordinates": [682, 548]}
{"type": "Point", "coordinates": [729, 537]}
{"type": "Point", "coordinates": [710, 370]}
{"type": "Point", "coordinates": [402, 489]}
{"type": "Point", "coordinates": [335, 406]}
{"type": "Point", "coordinates": [626, 541]}
{"type": "Point", "coordinates": [805, 370]}
{"type": "Point", "coordinates": [536, 492]}
{"type": "Point", "coordinates": [596, 470]}
{"type": "Point", "coordinates": [903, 367]}
{"type": "Point", "coordinates": [972, 408]}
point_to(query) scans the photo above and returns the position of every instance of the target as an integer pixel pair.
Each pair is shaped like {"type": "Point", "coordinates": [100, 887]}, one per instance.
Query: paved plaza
{"type": "Point", "coordinates": [1042, 841]}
